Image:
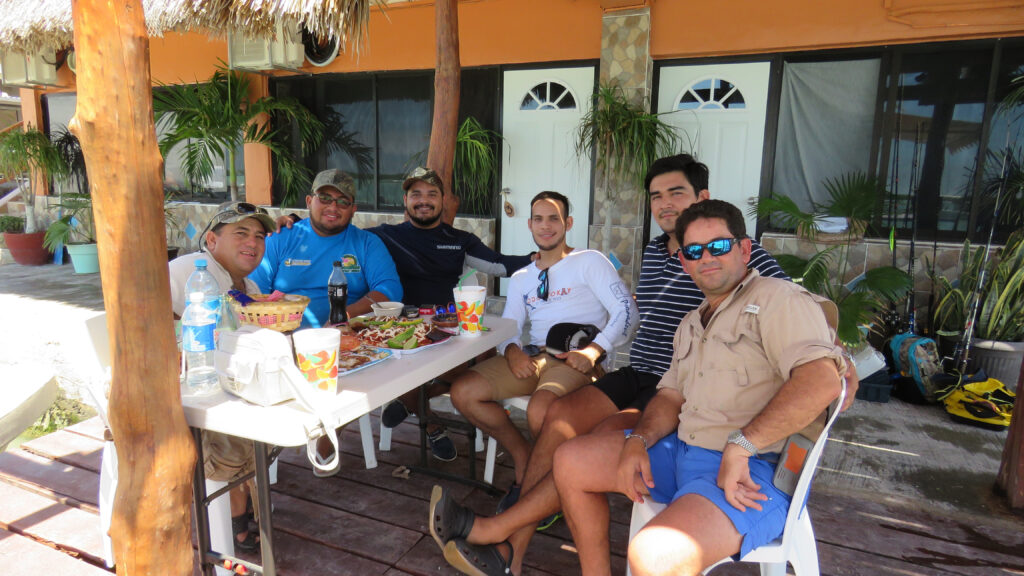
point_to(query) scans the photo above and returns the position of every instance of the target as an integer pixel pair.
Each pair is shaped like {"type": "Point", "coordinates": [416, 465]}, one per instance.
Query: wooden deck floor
{"type": "Point", "coordinates": [365, 522]}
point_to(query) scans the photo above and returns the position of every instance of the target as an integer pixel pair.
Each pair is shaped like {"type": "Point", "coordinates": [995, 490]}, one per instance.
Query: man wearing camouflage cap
{"type": "Point", "coordinates": [299, 260]}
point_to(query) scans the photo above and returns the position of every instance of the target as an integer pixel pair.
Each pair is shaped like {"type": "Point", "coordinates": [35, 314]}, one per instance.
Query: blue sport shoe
{"type": "Point", "coordinates": [509, 499]}
{"type": "Point", "coordinates": [441, 446]}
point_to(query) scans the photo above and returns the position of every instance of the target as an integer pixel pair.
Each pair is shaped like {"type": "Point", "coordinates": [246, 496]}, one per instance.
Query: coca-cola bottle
{"type": "Point", "coordinates": [337, 293]}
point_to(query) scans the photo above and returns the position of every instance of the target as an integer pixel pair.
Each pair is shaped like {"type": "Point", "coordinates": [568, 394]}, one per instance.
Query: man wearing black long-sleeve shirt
{"type": "Point", "coordinates": [430, 256]}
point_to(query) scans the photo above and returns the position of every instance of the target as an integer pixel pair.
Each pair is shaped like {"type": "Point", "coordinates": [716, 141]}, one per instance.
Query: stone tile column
{"type": "Point", "coordinates": [625, 61]}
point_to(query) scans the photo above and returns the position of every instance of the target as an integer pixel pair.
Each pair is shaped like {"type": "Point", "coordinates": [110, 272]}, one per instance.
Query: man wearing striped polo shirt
{"type": "Point", "coordinates": [664, 294]}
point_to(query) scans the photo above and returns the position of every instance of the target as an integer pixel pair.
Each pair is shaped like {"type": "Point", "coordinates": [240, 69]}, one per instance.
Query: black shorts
{"type": "Point", "coordinates": [629, 388]}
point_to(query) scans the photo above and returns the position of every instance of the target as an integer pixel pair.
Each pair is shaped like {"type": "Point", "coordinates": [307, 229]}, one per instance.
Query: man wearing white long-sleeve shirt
{"type": "Point", "coordinates": [563, 285]}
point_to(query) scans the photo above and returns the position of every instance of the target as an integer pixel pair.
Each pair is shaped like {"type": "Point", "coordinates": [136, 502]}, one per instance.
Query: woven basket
{"type": "Point", "coordinates": [853, 233]}
{"type": "Point", "coordinates": [283, 315]}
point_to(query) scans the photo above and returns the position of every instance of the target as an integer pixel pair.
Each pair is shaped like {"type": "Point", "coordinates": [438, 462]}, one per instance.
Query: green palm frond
{"type": "Point", "coordinates": [886, 282]}
{"type": "Point", "coordinates": [852, 196]}
{"type": "Point", "coordinates": [625, 138]}
{"type": "Point", "coordinates": [855, 309]}
{"type": "Point", "coordinates": [476, 165]}
{"type": "Point", "coordinates": [213, 119]}
{"type": "Point", "coordinates": [784, 212]}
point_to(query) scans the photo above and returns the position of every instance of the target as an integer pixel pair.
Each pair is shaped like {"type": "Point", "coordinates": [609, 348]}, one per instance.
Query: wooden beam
{"type": "Point", "coordinates": [114, 122]}
{"type": "Point", "coordinates": [447, 82]}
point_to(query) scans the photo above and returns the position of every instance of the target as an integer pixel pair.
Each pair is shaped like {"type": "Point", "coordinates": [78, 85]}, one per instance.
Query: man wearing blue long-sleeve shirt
{"type": "Point", "coordinates": [299, 260]}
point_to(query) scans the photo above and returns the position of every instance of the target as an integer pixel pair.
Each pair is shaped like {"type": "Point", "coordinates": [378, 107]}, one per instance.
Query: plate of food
{"type": "Point", "coordinates": [354, 359]}
{"type": "Point", "coordinates": [401, 336]}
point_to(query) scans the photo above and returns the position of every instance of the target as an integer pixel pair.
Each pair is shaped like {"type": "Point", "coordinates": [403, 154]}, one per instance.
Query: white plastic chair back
{"type": "Point", "coordinates": [219, 511]}
{"type": "Point", "coordinates": [796, 546]}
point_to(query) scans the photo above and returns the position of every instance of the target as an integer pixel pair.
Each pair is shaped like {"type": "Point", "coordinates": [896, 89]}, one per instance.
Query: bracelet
{"type": "Point", "coordinates": [642, 439]}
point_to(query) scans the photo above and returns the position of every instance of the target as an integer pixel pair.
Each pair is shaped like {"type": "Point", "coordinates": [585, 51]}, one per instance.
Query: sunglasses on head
{"type": "Point", "coordinates": [542, 288]}
{"type": "Point", "coordinates": [717, 247]}
{"type": "Point", "coordinates": [326, 199]}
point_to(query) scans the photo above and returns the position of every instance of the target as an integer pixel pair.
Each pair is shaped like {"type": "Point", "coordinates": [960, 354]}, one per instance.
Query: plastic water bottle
{"type": "Point", "coordinates": [202, 281]}
{"type": "Point", "coordinates": [197, 326]}
{"type": "Point", "coordinates": [337, 293]}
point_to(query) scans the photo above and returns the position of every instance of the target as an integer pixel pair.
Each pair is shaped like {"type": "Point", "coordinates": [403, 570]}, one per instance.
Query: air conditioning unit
{"type": "Point", "coordinates": [284, 52]}
{"type": "Point", "coordinates": [29, 70]}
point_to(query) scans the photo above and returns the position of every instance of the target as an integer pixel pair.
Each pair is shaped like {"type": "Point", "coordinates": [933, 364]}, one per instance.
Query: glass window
{"type": "Point", "coordinates": [405, 112]}
{"type": "Point", "coordinates": [939, 110]}
{"type": "Point", "coordinates": [548, 96]}
{"type": "Point", "coordinates": [378, 125]}
{"type": "Point", "coordinates": [711, 94]}
{"type": "Point", "coordinates": [1006, 129]}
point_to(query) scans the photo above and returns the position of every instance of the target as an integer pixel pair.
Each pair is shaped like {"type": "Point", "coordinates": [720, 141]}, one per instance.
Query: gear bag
{"type": "Point", "coordinates": [916, 360]}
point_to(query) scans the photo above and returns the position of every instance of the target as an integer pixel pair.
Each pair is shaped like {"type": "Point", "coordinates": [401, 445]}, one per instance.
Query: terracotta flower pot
{"type": "Point", "coordinates": [27, 249]}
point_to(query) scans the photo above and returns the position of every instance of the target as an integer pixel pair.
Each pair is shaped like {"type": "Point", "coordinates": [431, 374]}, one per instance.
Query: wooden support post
{"type": "Point", "coordinates": [447, 82]}
{"type": "Point", "coordinates": [1011, 471]}
{"type": "Point", "coordinates": [114, 122]}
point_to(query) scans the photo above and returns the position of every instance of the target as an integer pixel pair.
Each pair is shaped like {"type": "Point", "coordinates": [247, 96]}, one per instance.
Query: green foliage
{"type": "Point", "coordinates": [851, 196]}
{"type": "Point", "coordinates": [76, 224]}
{"type": "Point", "coordinates": [23, 153]}
{"type": "Point", "coordinates": [1001, 298]}
{"type": "Point", "coordinates": [70, 149]}
{"type": "Point", "coordinates": [476, 166]}
{"type": "Point", "coordinates": [12, 224]}
{"type": "Point", "coordinates": [625, 138]}
{"type": "Point", "coordinates": [214, 118]}
{"type": "Point", "coordinates": [62, 413]}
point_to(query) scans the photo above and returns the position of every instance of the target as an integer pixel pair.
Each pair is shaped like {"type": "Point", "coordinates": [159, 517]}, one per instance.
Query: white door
{"type": "Point", "coordinates": [541, 110]}
{"type": "Point", "coordinates": [720, 110]}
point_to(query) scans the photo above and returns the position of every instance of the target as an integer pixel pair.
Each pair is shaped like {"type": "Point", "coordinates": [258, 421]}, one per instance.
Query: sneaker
{"type": "Point", "coordinates": [394, 414]}
{"type": "Point", "coordinates": [549, 522]}
{"type": "Point", "coordinates": [509, 499]}
{"type": "Point", "coordinates": [442, 446]}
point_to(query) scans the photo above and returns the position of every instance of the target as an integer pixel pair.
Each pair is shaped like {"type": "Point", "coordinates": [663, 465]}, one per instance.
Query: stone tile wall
{"type": "Point", "coordinates": [619, 208]}
{"type": "Point", "coordinates": [872, 253]}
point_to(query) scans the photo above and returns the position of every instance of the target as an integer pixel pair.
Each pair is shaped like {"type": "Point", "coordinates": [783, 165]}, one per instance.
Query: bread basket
{"type": "Point", "coordinates": [282, 315]}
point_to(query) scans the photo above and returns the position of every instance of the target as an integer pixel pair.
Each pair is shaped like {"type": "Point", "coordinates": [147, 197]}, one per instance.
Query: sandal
{"type": "Point", "coordinates": [478, 559]}
{"type": "Point", "coordinates": [240, 525]}
{"type": "Point", "coordinates": [448, 519]}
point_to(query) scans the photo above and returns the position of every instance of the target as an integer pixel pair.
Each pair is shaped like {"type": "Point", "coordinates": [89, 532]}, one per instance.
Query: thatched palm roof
{"type": "Point", "coordinates": [28, 25]}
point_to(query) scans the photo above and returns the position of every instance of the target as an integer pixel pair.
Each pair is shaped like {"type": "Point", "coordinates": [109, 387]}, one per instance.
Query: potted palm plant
{"type": "Point", "coordinates": [26, 249]}
{"type": "Point", "coordinates": [213, 119]}
{"type": "Point", "coordinates": [625, 139]}
{"type": "Point", "coordinates": [29, 158]}
{"type": "Point", "coordinates": [851, 197]}
{"type": "Point", "coordinates": [75, 225]}
{"type": "Point", "coordinates": [998, 337]}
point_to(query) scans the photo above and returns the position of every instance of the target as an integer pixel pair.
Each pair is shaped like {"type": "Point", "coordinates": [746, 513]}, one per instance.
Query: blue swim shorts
{"type": "Point", "coordinates": [678, 468]}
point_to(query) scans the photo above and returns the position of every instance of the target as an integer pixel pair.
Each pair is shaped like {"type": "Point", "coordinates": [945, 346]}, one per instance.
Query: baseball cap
{"type": "Point", "coordinates": [231, 212]}
{"type": "Point", "coordinates": [338, 180]}
{"type": "Point", "coordinates": [424, 175]}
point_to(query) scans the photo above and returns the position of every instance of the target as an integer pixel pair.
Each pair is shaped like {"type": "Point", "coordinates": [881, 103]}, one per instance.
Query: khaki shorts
{"type": "Point", "coordinates": [226, 457]}
{"type": "Point", "coordinates": [552, 375]}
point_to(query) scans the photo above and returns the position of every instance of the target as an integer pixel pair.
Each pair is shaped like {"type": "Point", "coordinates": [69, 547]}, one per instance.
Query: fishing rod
{"type": "Point", "coordinates": [963, 347]}
{"type": "Point", "coordinates": [913, 190]}
{"type": "Point", "coordinates": [894, 177]}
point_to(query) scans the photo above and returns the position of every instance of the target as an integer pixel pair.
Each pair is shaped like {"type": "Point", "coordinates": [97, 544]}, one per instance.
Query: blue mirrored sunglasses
{"type": "Point", "coordinates": [542, 288]}
{"type": "Point", "coordinates": [716, 247]}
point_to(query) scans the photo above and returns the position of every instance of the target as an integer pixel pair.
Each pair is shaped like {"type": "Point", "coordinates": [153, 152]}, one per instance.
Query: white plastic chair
{"type": "Point", "coordinates": [796, 546]}
{"type": "Point", "coordinates": [221, 537]}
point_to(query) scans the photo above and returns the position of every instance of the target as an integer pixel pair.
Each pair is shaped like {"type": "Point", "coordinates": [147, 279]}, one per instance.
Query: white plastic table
{"type": "Point", "coordinates": [288, 424]}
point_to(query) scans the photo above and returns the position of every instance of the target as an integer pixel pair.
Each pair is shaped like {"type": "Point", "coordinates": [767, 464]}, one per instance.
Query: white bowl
{"type": "Point", "coordinates": [387, 309]}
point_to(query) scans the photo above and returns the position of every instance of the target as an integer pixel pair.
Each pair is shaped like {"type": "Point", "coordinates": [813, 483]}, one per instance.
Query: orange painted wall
{"type": "Point", "coordinates": [684, 29]}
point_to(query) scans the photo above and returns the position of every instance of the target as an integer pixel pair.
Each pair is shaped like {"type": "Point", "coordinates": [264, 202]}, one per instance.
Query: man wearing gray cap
{"type": "Point", "coordinates": [299, 260]}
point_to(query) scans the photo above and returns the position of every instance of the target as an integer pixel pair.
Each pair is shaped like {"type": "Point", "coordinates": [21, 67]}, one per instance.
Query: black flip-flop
{"type": "Point", "coordinates": [478, 559]}
{"type": "Point", "coordinates": [447, 518]}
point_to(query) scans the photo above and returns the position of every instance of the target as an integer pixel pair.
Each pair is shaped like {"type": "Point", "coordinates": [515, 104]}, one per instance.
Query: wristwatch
{"type": "Point", "coordinates": [740, 440]}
